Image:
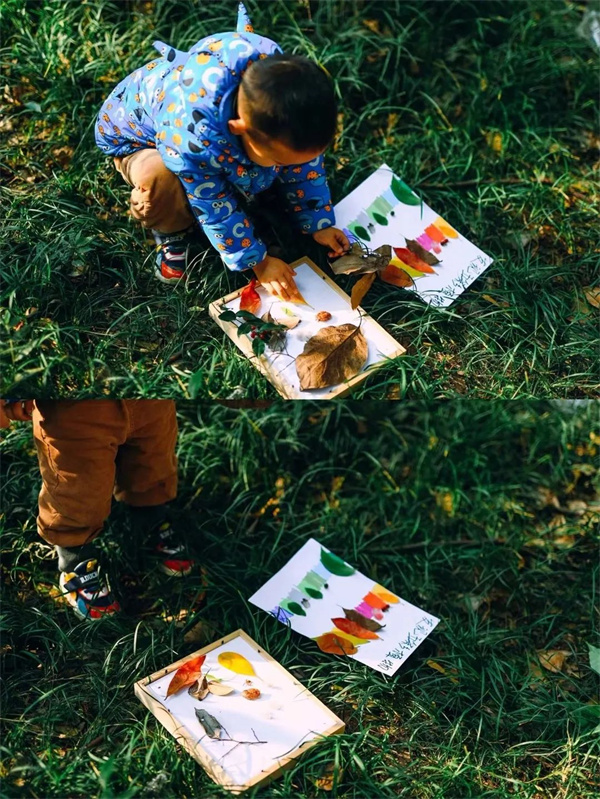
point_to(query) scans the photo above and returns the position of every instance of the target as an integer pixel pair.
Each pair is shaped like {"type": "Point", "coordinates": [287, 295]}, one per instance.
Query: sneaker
{"type": "Point", "coordinates": [172, 558]}
{"type": "Point", "coordinates": [88, 592]}
{"type": "Point", "coordinates": [172, 255]}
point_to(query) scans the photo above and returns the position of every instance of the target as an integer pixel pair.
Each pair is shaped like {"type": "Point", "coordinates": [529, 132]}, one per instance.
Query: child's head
{"type": "Point", "coordinates": [286, 110]}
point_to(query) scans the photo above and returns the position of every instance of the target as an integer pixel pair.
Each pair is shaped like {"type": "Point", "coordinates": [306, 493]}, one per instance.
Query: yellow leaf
{"type": "Point", "coordinates": [489, 298]}
{"type": "Point", "coordinates": [330, 775]}
{"type": "Point", "coordinates": [494, 140]}
{"type": "Point", "coordinates": [432, 664]}
{"type": "Point", "coordinates": [553, 659]}
{"type": "Point", "coordinates": [592, 295]}
{"type": "Point", "coordinates": [372, 25]}
{"type": "Point", "coordinates": [445, 501]}
{"type": "Point", "coordinates": [236, 663]}
{"type": "Point", "coordinates": [483, 84]}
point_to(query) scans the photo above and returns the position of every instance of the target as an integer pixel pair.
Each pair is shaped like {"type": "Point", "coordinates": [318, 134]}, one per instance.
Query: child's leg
{"type": "Point", "coordinates": [147, 479]}
{"type": "Point", "coordinates": [158, 199]}
{"type": "Point", "coordinates": [146, 473]}
{"type": "Point", "coordinates": [77, 442]}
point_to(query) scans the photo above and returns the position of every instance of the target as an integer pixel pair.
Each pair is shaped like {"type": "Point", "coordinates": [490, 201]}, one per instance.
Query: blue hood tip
{"type": "Point", "coordinates": [244, 25]}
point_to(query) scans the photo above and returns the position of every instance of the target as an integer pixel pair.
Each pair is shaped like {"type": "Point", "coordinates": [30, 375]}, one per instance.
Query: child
{"type": "Point", "coordinates": [88, 450]}
{"type": "Point", "coordinates": [189, 129]}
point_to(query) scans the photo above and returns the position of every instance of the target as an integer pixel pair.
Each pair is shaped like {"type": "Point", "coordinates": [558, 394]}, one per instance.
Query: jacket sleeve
{"type": "Point", "coordinates": [307, 193]}
{"type": "Point", "coordinates": [227, 227]}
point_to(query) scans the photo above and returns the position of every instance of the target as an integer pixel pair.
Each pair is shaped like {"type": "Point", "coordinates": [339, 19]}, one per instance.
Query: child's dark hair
{"type": "Point", "coordinates": [291, 99]}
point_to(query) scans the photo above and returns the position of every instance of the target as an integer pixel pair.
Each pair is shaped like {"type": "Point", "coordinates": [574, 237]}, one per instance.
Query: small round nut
{"type": "Point", "coordinates": [251, 693]}
{"type": "Point", "coordinates": [323, 316]}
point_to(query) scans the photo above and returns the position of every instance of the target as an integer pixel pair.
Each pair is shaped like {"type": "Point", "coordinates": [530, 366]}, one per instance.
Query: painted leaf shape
{"type": "Point", "coordinates": [386, 595]}
{"type": "Point", "coordinates": [435, 233]}
{"type": "Point", "coordinates": [362, 233]}
{"type": "Point", "coordinates": [209, 723]}
{"type": "Point", "coordinates": [360, 288]}
{"type": "Point", "coordinates": [335, 645]}
{"type": "Point", "coordinates": [446, 229]}
{"type": "Point", "coordinates": [335, 354]}
{"type": "Point", "coordinates": [236, 663]}
{"type": "Point", "coordinates": [351, 627]}
{"type": "Point", "coordinates": [413, 260]}
{"type": "Point", "coordinates": [396, 277]}
{"type": "Point", "coordinates": [296, 608]}
{"type": "Point", "coordinates": [403, 193]}
{"type": "Point", "coordinates": [250, 298]}
{"type": "Point", "coordinates": [420, 251]}
{"type": "Point", "coordinates": [199, 690]}
{"type": "Point", "coordinates": [368, 624]}
{"type": "Point", "coordinates": [336, 565]}
{"type": "Point", "coordinates": [219, 688]}
{"type": "Point", "coordinates": [313, 593]}
{"type": "Point", "coordinates": [375, 601]}
{"type": "Point", "coordinates": [186, 675]}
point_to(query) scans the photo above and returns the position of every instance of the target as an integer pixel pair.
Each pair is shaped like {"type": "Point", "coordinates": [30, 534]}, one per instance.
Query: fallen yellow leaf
{"type": "Point", "coordinates": [553, 659]}
{"type": "Point", "coordinates": [592, 295]}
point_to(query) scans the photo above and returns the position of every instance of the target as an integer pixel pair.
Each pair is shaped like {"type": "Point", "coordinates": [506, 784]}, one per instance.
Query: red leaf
{"type": "Point", "coordinates": [335, 644]}
{"type": "Point", "coordinates": [410, 259]}
{"type": "Point", "coordinates": [352, 628]}
{"type": "Point", "coordinates": [186, 675]}
{"type": "Point", "coordinates": [250, 298]}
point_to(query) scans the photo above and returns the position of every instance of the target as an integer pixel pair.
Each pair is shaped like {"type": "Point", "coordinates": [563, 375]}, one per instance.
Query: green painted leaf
{"type": "Point", "coordinates": [403, 193]}
{"type": "Point", "coordinates": [362, 233]}
{"type": "Point", "coordinates": [381, 220]}
{"type": "Point", "coordinates": [296, 608]}
{"type": "Point", "coordinates": [313, 593]}
{"type": "Point", "coordinates": [594, 658]}
{"type": "Point", "coordinates": [336, 565]}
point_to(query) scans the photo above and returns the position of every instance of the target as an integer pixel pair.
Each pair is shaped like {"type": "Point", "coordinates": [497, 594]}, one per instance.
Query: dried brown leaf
{"type": "Point", "coordinates": [199, 690]}
{"type": "Point", "coordinates": [333, 355]}
{"type": "Point", "coordinates": [360, 288]}
{"type": "Point", "coordinates": [592, 295]}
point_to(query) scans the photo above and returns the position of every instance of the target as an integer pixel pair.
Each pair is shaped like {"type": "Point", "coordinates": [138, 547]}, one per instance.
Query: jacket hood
{"type": "Point", "coordinates": [210, 73]}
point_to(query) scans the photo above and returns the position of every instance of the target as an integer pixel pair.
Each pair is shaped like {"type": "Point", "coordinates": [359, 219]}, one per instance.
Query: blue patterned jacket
{"type": "Point", "coordinates": [181, 103]}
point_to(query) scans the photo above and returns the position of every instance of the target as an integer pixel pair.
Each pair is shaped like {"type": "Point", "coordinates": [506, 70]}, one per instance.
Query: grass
{"type": "Point", "coordinates": [488, 109]}
{"type": "Point", "coordinates": [485, 514]}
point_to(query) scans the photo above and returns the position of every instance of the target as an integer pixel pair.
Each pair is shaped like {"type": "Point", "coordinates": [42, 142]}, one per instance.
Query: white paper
{"type": "Point", "coordinates": [461, 261]}
{"type": "Point", "coordinates": [406, 626]}
{"type": "Point", "coordinates": [283, 715]}
{"type": "Point", "coordinates": [321, 297]}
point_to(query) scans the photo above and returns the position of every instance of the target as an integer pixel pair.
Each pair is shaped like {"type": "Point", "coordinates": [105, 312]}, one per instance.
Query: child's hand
{"type": "Point", "coordinates": [334, 238]}
{"type": "Point", "coordinates": [17, 411]}
{"type": "Point", "coordinates": [276, 277]}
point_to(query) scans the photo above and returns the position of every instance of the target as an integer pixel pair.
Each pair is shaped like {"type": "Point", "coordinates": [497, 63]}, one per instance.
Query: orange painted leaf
{"type": "Point", "coordinates": [375, 601]}
{"type": "Point", "coordinates": [335, 644]}
{"type": "Point", "coordinates": [186, 675]}
{"type": "Point", "coordinates": [386, 595]}
{"type": "Point", "coordinates": [435, 233]}
{"type": "Point", "coordinates": [250, 298]}
{"type": "Point", "coordinates": [397, 277]}
{"type": "Point", "coordinates": [352, 628]}
{"type": "Point", "coordinates": [413, 260]}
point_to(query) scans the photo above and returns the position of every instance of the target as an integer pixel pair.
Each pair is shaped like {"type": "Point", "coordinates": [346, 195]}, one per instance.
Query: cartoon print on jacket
{"type": "Point", "coordinates": [181, 103]}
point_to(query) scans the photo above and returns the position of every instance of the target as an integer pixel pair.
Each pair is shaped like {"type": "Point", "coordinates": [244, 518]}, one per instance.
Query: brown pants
{"type": "Point", "coordinates": [158, 199]}
{"type": "Point", "coordinates": [89, 450]}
